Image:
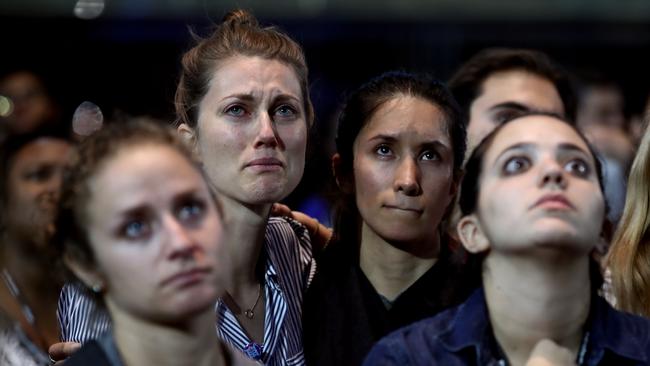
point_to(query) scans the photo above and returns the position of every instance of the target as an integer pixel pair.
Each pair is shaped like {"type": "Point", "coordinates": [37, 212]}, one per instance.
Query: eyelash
{"type": "Point", "coordinates": [143, 229]}
{"type": "Point", "coordinates": [197, 211]}
{"type": "Point", "coordinates": [378, 149]}
{"type": "Point", "coordinates": [291, 110]}
{"type": "Point", "coordinates": [508, 169]}
{"type": "Point", "coordinates": [230, 108]}
{"type": "Point", "coordinates": [527, 163]}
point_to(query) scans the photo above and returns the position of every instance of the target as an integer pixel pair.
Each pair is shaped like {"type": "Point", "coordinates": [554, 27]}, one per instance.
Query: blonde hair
{"type": "Point", "coordinates": [629, 256]}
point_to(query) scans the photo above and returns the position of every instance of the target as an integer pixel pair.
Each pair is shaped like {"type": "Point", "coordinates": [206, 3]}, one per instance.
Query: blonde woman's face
{"type": "Point", "coordinates": [155, 233]}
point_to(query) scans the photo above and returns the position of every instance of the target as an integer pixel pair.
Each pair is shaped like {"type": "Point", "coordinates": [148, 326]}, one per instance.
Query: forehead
{"type": "Point", "coordinates": [250, 75]}
{"type": "Point", "coordinates": [142, 162]}
{"type": "Point", "coordinates": [407, 114]}
{"type": "Point", "coordinates": [543, 132]}
{"type": "Point", "coordinates": [43, 149]}
{"type": "Point", "coordinates": [528, 89]}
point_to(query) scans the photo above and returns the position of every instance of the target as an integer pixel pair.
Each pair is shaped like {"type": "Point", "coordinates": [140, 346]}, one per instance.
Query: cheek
{"type": "Point", "coordinates": [369, 179]}
{"type": "Point", "coordinates": [436, 184]}
{"type": "Point", "coordinates": [294, 137]}
{"type": "Point", "coordinates": [596, 206]}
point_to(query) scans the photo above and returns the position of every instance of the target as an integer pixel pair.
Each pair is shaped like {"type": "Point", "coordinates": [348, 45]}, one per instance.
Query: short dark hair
{"type": "Point", "coordinates": [467, 82]}
{"type": "Point", "coordinates": [359, 108]}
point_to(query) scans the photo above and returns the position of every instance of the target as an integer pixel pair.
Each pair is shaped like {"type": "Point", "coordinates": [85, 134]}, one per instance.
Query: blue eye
{"type": "Point", "coordinates": [516, 165]}
{"type": "Point", "coordinates": [578, 167]}
{"type": "Point", "coordinates": [285, 111]}
{"type": "Point", "coordinates": [191, 211]}
{"type": "Point", "coordinates": [235, 111]}
{"type": "Point", "coordinates": [136, 229]}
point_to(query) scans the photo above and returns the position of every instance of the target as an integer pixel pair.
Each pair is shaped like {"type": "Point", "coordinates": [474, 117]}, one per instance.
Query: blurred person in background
{"type": "Point", "coordinates": [32, 166]}
{"type": "Point", "coordinates": [600, 116]}
{"type": "Point", "coordinates": [29, 102]}
{"type": "Point", "coordinates": [497, 84]}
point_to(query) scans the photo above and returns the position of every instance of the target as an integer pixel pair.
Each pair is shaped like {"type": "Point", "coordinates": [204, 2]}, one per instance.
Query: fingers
{"type": "Point", "coordinates": [548, 353]}
{"type": "Point", "coordinates": [279, 209]}
{"type": "Point", "coordinates": [62, 350]}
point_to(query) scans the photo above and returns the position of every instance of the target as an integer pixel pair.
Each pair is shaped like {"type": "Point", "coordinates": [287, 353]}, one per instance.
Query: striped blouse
{"type": "Point", "coordinates": [289, 269]}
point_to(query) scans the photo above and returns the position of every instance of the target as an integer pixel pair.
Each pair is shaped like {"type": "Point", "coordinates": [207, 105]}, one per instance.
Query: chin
{"type": "Point", "coordinates": [194, 303]}
{"type": "Point", "coordinates": [268, 192]}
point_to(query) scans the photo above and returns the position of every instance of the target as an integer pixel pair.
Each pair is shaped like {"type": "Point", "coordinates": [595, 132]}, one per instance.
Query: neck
{"type": "Point", "coordinates": [31, 271]}
{"type": "Point", "coordinates": [244, 230]}
{"type": "Point", "coordinates": [142, 342]}
{"type": "Point", "coordinates": [389, 267]}
{"type": "Point", "coordinates": [527, 303]}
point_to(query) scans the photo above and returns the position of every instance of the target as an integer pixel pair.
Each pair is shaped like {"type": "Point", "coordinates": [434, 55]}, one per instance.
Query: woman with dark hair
{"type": "Point", "coordinates": [533, 211]}
{"type": "Point", "coordinates": [31, 167]}
{"type": "Point", "coordinates": [243, 104]}
{"type": "Point", "coordinates": [400, 144]}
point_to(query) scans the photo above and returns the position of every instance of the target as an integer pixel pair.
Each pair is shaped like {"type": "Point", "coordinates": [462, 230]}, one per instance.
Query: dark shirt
{"type": "Point", "coordinates": [463, 336]}
{"type": "Point", "coordinates": [100, 352]}
{"type": "Point", "coordinates": [343, 315]}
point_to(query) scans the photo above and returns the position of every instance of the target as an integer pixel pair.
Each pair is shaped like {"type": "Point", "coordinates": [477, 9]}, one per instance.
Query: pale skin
{"type": "Point", "coordinates": [403, 177]}
{"type": "Point", "coordinates": [539, 211]}
{"type": "Point", "coordinates": [155, 233]}
{"type": "Point", "coordinates": [254, 108]}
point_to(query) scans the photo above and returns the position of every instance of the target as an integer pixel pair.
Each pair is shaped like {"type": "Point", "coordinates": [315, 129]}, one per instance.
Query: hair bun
{"type": "Point", "coordinates": [240, 17]}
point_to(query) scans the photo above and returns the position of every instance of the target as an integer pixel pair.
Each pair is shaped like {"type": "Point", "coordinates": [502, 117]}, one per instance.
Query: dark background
{"type": "Point", "coordinates": [127, 59]}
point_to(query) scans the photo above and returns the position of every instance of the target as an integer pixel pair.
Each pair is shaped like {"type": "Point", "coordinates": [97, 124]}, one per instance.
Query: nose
{"type": "Point", "coordinates": [267, 134]}
{"type": "Point", "coordinates": [552, 175]}
{"type": "Point", "coordinates": [407, 178]}
{"type": "Point", "coordinates": [181, 243]}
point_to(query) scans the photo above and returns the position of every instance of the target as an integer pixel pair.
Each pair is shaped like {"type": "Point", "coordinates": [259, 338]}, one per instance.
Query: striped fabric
{"type": "Point", "coordinates": [289, 269]}
{"type": "Point", "coordinates": [80, 318]}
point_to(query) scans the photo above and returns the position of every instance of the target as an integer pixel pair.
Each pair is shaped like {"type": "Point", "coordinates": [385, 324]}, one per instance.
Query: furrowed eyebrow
{"type": "Point", "coordinates": [241, 96]}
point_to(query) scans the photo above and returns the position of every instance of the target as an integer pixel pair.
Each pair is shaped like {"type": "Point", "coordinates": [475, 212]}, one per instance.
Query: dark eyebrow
{"type": "Point", "coordinates": [519, 146]}
{"type": "Point", "coordinates": [573, 147]}
{"type": "Point", "coordinates": [511, 105]}
{"type": "Point", "coordinates": [389, 138]}
{"type": "Point", "coordinates": [566, 146]}
{"type": "Point", "coordinates": [392, 138]}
